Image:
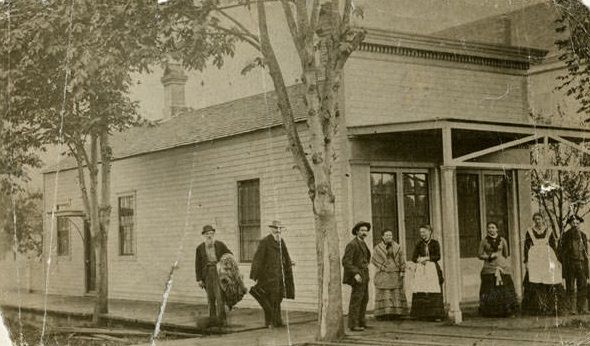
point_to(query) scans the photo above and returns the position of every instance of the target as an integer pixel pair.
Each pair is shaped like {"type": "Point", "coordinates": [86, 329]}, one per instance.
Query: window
{"type": "Point", "coordinates": [248, 217]}
{"type": "Point", "coordinates": [63, 236]}
{"type": "Point", "coordinates": [416, 207]}
{"type": "Point", "coordinates": [469, 214]}
{"type": "Point", "coordinates": [496, 192]}
{"type": "Point", "coordinates": [384, 205]}
{"type": "Point", "coordinates": [481, 198]}
{"type": "Point", "coordinates": [126, 225]}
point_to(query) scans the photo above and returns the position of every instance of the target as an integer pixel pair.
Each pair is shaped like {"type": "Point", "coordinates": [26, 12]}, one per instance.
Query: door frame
{"type": "Point", "coordinates": [399, 185]}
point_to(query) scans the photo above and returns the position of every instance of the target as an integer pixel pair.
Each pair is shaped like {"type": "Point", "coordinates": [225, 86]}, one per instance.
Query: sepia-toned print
{"type": "Point", "coordinates": [294, 172]}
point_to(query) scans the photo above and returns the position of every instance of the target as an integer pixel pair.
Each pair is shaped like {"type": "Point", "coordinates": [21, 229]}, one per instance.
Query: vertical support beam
{"type": "Point", "coordinates": [514, 234]}
{"type": "Point", "coordinates": [451, 248]}
{"type": "Point", "coordinates": [447, 143]}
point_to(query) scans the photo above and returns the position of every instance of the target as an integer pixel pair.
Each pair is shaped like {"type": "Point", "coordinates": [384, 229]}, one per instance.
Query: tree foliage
{"type": "Point", "coordinates": [68, 71]}
{"type": "Point", "coordinates": [21, 218]}
{"type": "Point", "coordinates": [560, 193]}
{"type": "Point", "coordinates": [574, 46]}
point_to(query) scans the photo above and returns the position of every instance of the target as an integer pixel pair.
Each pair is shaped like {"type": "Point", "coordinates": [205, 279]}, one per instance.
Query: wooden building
{"type": "Point", "coordinates": [436, 131]}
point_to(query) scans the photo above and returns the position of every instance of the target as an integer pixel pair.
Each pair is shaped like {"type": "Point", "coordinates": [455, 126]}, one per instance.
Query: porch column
{"type": "Point", "coordinates": [451, 248]}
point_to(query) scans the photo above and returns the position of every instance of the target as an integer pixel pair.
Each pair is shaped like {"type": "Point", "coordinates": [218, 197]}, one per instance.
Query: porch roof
{"type": "Point", "coordinates": [569, 130]}
{"type": "Point", "coordinates": [477, 133]}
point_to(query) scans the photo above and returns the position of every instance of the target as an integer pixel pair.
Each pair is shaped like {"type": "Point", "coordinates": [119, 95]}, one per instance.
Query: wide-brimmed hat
{"type": "Point", "coordinates": [208, 228]}
{"type": "Point", "coordinates": [575, 217]}
{"type": "Point", "coordinates": [360, 224]}
{"type": "Point", "coordinates": [276, 224]}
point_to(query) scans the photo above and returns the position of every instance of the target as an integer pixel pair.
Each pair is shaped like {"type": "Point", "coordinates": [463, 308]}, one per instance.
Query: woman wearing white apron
{"type": "Point", "coordinates": [427, 300]}
{"type": "Point", "coordinates": [543, 290]}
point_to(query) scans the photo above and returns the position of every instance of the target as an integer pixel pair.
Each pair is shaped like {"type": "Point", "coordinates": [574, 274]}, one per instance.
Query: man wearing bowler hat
{"type": "Point", "coordinates": [207, 255]}
{"type": "Point", "coordinates": [272, 271]}
{"type": "Point", "coordinates": [356, 261]}
{"type": "Point", "coordinates": [573, 248]}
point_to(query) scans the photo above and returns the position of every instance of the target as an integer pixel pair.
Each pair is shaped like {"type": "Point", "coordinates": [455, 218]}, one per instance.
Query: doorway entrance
{"type": "Point", "coordinates": [400, 201]}
{"type": "Point", "coordinates": [482, 197]}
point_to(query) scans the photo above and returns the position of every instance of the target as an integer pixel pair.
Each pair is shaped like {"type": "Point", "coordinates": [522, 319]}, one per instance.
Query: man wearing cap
{"type": "Point", "coordinates": [356, 261]}
{"type": "Point", "coordinates": [207, 255]}
{"type": "Point", "coordinates": [272, 271]}
{"type": "Point", "coordinates": [573, 248]}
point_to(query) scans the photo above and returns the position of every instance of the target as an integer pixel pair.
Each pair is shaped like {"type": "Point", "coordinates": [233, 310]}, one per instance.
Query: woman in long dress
{"type": "Point", "coordinates": [543, 289]}
{"type": "Point", "coordinates": [427, 299]}
{"type": "Point", "coordinates": [390, 263]}
{"type": "Point", "coordinates": [497, 296]}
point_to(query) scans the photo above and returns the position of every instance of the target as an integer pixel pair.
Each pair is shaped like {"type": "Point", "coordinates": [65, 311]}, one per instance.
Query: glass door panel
{"type": "Point", "coordinates": [384, 205]}
{"type": "Point", "coordinates": [416, 207]}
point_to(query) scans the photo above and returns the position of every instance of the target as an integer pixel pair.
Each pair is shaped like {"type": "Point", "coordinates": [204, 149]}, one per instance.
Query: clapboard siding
{"type": "Point", "coordinates": [384, 89]}
{"type": "Point", "coordinates": [168, 225]}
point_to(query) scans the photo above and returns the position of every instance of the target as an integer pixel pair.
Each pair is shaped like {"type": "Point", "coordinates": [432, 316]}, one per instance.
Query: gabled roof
{"type": "Point", "coordinates": [192, 126]}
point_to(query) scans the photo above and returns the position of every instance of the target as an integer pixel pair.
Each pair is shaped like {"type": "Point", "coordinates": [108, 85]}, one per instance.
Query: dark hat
{"type": "Point", "coordinates": [359, 225]}
{"type": "Point", "coordinates": [575, 217]}
{"type": "Point", "coordinates": [208, 228]}
{"type": "Point", "coordinates": [276, 224]}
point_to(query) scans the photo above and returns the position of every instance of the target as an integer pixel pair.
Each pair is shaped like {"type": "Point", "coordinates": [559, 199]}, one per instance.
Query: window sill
{"type": "Point", "coordinates": [127, 258]}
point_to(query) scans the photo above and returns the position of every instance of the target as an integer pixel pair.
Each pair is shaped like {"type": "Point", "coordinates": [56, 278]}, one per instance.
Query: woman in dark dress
{"type": "Point", "coordinates": [543, 289]}
{"type": "Point", "coordinates": [497, 296]}
{"type": "Point", "coordinates": [427, 299]}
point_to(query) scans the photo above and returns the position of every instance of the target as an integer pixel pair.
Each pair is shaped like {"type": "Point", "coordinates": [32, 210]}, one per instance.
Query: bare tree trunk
{"type": "Point", "coordinates": [330, 326]}
{"type": "Point", "coordinates": [95, 222]}
{"type": "Point", "coordinates": [105, 218]}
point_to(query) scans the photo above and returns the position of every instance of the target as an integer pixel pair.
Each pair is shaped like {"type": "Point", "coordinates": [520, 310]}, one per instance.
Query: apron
{"type": "Point", "coordinates": [426, 278]}
{"type": "Point", "coordinates": [544, 268]}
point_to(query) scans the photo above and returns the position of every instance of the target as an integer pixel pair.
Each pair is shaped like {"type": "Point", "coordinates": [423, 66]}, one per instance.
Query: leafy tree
{"type": "Point", "coordinates": [22, 222]}
{"type": "Point", "coordinates": [574, 47]}
{"type": "Point", "coordinates": [324, 38]}
{"type": "Point", "coordinates": [560, 193]}
{"type": "Point", "coordinates": [67, 73]}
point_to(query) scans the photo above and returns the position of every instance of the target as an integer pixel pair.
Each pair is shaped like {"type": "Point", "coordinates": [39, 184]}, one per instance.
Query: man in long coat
{"type": "Point", "coordinates": [356, 261]}
{"type": "Point", "coordinates": [207, 255]}
{"type": "Point", "coordinates": [272, 271]}
{"type": "Point", "coordinates": [573, 250]}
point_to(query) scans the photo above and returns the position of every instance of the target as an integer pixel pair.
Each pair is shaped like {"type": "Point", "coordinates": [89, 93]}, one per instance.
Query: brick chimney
{"type": "Point", "coordinates": [173, 80]}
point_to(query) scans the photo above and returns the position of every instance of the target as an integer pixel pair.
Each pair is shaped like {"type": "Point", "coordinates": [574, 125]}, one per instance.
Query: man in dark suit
{"type": "Point", "coordinates": [207, 255]}
{"type": "Point", "coordinates": [272, 271]}
{"type": "Point", "coordinates": [573, 249]}
{"type": "Point", "coordinates": [356, 274]}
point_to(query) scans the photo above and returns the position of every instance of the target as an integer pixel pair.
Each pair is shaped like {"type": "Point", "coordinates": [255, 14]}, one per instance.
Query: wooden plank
{"type": "Point", "coordinates": [571, 144]}
{"type": "Point", "coordinates": [509, 166]}
{"type": "Point", "coordinates": [495, 148]}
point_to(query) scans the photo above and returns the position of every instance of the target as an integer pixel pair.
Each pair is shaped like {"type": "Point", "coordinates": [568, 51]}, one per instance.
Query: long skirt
{"type": "Point", "coordinates": [543, 299]}
{"type": "Point", "coordinates": [428, 306]}
{"type": "Point", "coordinates": [389, 303]}
{"type": "Point", "coordinates": [497, 300]}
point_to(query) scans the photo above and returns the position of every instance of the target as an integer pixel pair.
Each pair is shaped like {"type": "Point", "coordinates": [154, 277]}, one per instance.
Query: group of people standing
{"type": "Point", "coordinates": [390, 267]}
{"type": "Point", "coordinates": [272, 269]}
{"type": "Point", "coordinates": [549, 261]}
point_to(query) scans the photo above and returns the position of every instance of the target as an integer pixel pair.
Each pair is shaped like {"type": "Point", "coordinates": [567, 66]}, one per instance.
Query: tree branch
{"type": "Point", "coordinates": [295, 32]}
{"type": "Point", "coordinates": [246, 32]}
{"type": "Point", "coordinates": [283, 100]}
{"type": "Point", "coordinates": [239, 35]}
{"type": "Point", "coordinates": [81, 178]}
{"type": "Point", "coordinates": [314, 17]}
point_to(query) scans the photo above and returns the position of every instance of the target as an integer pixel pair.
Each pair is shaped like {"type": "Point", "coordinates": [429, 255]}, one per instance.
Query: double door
{"type": "Point", "coordinates": [400, 201]}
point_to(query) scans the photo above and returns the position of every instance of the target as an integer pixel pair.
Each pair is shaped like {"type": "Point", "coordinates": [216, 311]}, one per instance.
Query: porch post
{"type": "Point", "coordinates": [451, 248]}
